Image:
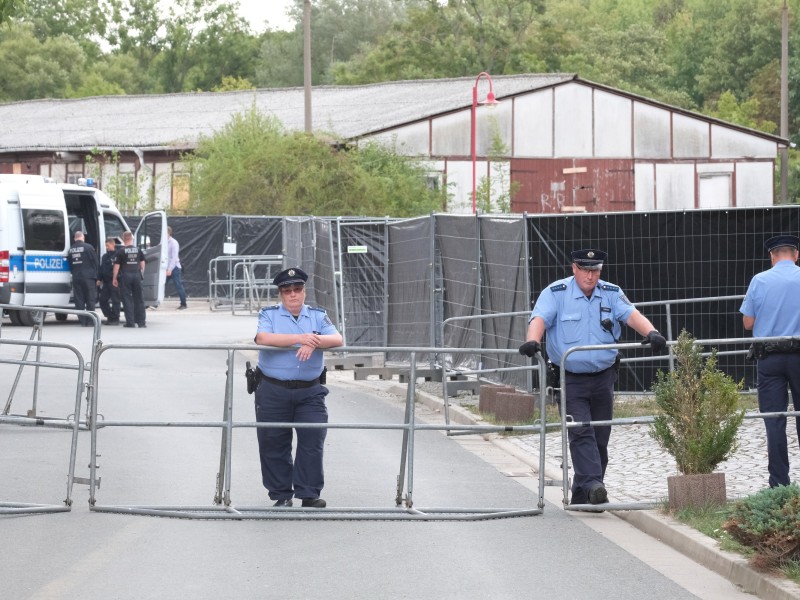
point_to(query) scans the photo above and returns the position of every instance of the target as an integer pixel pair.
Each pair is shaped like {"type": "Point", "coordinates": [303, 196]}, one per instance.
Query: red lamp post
{"type": "Point", "coordinates": [491, 101]}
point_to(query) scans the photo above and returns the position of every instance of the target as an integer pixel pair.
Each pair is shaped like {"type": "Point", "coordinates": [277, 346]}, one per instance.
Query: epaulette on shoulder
{"type": "Point", "coordinates": [316, 308]}
{"type": "Point", "coordinates": [559, 287]}
{"type": "Point", "coordinates": [273, 307]}
{"type": "Point", "coordinates": [610, 288]}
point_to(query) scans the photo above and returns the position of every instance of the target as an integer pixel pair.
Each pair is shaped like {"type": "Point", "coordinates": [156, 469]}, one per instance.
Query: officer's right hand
{"type": "Point", "coordinates": [530, 349]}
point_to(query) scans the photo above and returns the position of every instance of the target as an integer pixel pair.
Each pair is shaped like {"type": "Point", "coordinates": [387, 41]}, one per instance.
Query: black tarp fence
{"type": "Point", "coordinates": [393, 282]}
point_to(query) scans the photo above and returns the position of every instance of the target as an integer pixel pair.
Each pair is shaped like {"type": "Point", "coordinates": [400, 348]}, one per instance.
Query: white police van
{"type": "Point", "coordinates": [38, 219]}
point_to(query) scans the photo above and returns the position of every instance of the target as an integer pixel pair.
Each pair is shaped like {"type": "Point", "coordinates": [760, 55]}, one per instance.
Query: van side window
{"type": "Point", "coordinates": [44, 229]}
{"type": "Point", "coordinates": [114, 225]}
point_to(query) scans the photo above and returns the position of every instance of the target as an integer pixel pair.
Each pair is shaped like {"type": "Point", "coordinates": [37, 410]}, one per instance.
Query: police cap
{"type": "Point", "coordinates": [590, 259]}
{"type": "Point", "coordinates": [290, 277]}
{"type": "Point", "coordinates": [779, 241]}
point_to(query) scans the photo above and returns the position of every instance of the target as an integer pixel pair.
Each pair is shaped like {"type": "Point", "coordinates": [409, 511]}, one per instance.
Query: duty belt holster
{"type": "Point", "coordinates": [553, 375]}
{"type": "Point", "coordinates": [253, 377]}
{"type": "Point", "coordinates": [763, 349]}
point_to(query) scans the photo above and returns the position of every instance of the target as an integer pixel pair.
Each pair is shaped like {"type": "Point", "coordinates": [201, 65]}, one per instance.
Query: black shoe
{"type": "Point", "coordinates": [578, 498]}
{"type": "Point", "coordinates": [283, 502]}
{"type": "Point", "coordinates": [129, 325]}
{"type": "Point", "coordinates": [110, 322]}
{"type": "Point", "coordinates": [314, 503]}
{"type": "Point", "coordinates": [598, 494]}
{"type": "Point", "coordinates": [142, 326]}
{"type": "Point", "coordinates": [182, 307]}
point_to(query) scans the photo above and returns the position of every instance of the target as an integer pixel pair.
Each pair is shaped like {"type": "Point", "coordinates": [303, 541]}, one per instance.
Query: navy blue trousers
{"type": "Point", "coordinates": [284, 477]}
{"type": "Point", "coordinates": [777, 373]}
{"type": "Point", "coordinates": [589, 398]}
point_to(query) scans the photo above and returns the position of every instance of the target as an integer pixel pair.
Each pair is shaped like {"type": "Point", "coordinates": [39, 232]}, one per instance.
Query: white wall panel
{"type": "Point", "coordinates": [729, 143]}
{"type": "Point", "coordinates": [411, 140]}
{"type": "Point", "coordinates": [689, 137]}
{"type": "Point", "coordinates": [644, 179]}
{"type": "Point", "coordinates": [674, 186]}
{"type": "Point", "coordinates": [451, 134]}
{"type": "Point", "coordinates": [651, 131]}
{"type": "Point", "coordinates": [533, 125]}
{"type": "Point", "coordinates": [573, 121]}
{"type": "Point", "coordinates": [459, 185]}
{"type": "Point", "coordinates": [612, 125]}
{"type": "Point", "coordinates": [754, 184]}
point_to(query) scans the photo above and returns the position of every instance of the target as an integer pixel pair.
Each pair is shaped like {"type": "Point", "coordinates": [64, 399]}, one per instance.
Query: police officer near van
{"type": "Point", "coordinates": [289, 390]}
{"type": "Point", "coordinates": [584, 310]}
{"type": "Point", "coordinates": [770, 309]}
{"type": "Point", "coordinates": [128, 275]}
{"type": "Point", "coordinates": [109, 299]}
{"type": "Point", "coordinates": [82, 259]}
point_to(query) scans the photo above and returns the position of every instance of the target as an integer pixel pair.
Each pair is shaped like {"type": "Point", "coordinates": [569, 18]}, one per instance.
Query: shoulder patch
{"type": "Point", "coordinates": [610, 288]}
{"type": "Point", "coordinates": [559, 287]}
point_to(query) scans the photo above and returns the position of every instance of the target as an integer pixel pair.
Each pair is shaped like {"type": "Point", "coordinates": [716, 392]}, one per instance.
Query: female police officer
{"type": "Point", "coordinates": [290, 391]}
{"type": "Point", "coordinates": [583, 310]}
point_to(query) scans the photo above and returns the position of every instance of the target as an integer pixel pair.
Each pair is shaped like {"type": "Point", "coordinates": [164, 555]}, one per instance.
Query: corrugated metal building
{"type": "Point", "coordinates": [569, 144]}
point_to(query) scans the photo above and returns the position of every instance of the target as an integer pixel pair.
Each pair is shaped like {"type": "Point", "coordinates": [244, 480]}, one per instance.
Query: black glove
{"type": "Point", "coordinates": [657, 341]}
{"type": "Point", "coordinates": [530, 349]}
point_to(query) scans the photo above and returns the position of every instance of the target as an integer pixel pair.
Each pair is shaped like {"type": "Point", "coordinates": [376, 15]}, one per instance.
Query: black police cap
{"type": "Point", "coordinates": [290, 276]}
{"type": "Point", "coordinates": [779, 241]}
{"type": "Point", "coordinates": [589, 259]}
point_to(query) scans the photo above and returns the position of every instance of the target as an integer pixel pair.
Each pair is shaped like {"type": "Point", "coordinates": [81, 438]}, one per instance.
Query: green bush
{"type": "Point", "coordinates": [700, 413]}
{"type": "Point", "coordinates": [768, 522]}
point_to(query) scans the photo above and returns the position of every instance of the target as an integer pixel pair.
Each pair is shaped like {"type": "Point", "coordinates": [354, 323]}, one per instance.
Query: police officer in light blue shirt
{"type": "Point", "coordinates": [290, 391]}
{"type": "Point", "coordinates": [770, 309]}
{"type": "Point", "coordinates": [584, 310]}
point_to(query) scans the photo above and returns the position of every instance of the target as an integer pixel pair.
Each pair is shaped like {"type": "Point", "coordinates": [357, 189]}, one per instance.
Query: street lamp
{"type": "Point", "coordinates": [490, 100]}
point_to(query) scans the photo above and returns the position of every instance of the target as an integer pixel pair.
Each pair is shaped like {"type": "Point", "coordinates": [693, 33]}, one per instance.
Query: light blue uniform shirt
{"type": "Point", "coordinates": [773, 298]}
{"type": "Point", "coordinates": [571, 319]}
{"type": "Point", "coordinates": [283, 364]}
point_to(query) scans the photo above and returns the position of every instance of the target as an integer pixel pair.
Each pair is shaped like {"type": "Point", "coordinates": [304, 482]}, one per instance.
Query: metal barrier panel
{"type": "Point", "coordinates": [70, 422]}
{"type": "Point", "coordinates": [241, 280]}
{"type": "Point", "coordinates": [567, 423]}
{"type": "Point", "coordinates": [224, 508]}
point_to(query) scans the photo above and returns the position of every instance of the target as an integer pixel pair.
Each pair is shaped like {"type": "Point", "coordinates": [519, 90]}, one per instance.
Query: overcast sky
{"type": "Point", "coordinates": [262, 13]}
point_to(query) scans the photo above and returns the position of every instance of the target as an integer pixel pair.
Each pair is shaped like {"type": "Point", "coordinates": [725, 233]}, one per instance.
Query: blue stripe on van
{"type": "Point", "coordinates": [39, 263]}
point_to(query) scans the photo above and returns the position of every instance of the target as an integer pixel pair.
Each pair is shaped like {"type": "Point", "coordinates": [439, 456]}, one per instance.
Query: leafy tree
{"type": "Point", "coordinates": [252, 166]}
{"type": "Point", "coordinates": [35, 69]}
{"type": "Point", "coordinates": [10, 9]}
{"type": "Point", "coordinates": [85, 21]}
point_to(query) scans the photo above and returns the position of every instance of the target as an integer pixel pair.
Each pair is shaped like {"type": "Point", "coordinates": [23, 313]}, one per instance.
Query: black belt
{"type": "Point", "coordinates": [292, 384]}
{"type": "Point", "coordinates": [589, 374]}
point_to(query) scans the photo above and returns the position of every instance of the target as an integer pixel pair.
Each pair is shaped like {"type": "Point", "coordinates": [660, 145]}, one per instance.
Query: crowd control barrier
{"type": "Point", "coordinates": [224, 507]}
{"type": "Point", "coordinates": [567, 423]}
{"type": "Point", "coordinates": [69, 422]}
{"type": "Point", "coordinates": [241, 281]}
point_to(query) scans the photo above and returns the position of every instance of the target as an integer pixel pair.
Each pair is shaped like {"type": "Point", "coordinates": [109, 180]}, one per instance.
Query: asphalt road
{"type": "Point", "coordinates": [90, 555]}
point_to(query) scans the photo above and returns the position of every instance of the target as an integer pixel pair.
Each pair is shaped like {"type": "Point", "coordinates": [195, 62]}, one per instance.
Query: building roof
{"type": "Point", "coordinates": [178, 121]}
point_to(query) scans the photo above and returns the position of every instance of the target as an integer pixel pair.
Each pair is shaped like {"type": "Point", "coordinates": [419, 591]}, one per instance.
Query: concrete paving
{"type": "Point", "coordinates": [101, 556]}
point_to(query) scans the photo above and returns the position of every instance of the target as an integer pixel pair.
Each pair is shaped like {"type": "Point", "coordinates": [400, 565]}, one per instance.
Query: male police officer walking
{"type": "Point", "coordinates": [129, 271]}
{"type": "Point", "coordinates": [290, 391]}
{"type": "Point", "coordinates": [83, 264]}
{"type": "Point", "coordinates": [584, 310]}
{"type": "Point", "coordinates": [770, 310]}
{"type": "Point", "coordinates": [109, 294]}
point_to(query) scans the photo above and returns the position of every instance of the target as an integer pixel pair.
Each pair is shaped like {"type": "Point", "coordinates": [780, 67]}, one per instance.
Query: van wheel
{"type": "Point", "coordinates": [14, 316]}
{"type": "Point", "coordinates": [61, 316]}
{"type": "Point", "coordinates": [24, 318]}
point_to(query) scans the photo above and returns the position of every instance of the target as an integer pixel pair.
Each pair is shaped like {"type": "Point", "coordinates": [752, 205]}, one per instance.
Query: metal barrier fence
{"type": "Point", "coordinates": [225, 509]}
{"type": "Point", "coordinates": [39, 315]}
{"type": "Point", "coordinates": [567, 424]}
{"type": "Point", "coordinates": [241, 281]}
{"type": "Point", "coordinates": [70, 422]}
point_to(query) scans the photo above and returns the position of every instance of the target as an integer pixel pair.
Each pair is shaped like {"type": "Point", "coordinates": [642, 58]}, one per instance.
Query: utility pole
{"type": "Point", "coordinates": [307, 62]}
{"type": "Point", "coordinates": [784, 153]}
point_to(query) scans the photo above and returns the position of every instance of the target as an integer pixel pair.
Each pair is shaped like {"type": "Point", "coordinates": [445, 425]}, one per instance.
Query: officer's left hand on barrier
{"type": "Point", "coordinates": [657, 341]}
{"type": "Point", "coordinates": [530, 349]}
